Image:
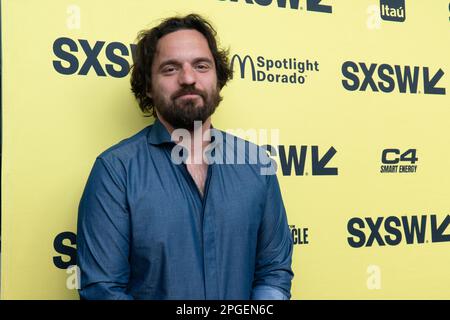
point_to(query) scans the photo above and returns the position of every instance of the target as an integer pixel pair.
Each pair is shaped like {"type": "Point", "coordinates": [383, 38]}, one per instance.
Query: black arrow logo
{"type": "Point", "coordinates": [430, 85]}
{"type": "Point", "coordinates": [314, 5]}
{"type": "Point", "coordinates": [437, 233]}
{"type": "Point", "coordinates": [318, 166]}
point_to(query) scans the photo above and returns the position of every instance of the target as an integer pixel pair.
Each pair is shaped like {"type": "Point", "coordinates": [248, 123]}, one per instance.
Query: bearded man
{"type": "Point", "coordinates": [153, 227]}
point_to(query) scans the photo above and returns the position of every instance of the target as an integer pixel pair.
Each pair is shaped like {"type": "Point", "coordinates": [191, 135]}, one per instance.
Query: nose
{"type": "Point", "coordinates": [187, 75]}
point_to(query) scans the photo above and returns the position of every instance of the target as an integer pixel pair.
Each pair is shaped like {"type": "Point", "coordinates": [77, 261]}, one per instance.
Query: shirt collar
{"type": "Point", "coordinates": [159, 134]}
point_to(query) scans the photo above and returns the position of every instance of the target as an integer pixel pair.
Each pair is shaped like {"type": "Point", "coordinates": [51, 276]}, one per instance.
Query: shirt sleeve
{"type": "Point", "coordinates": [274, 248]}
{"type": "Point", "coordinates": [267, 293]}
{"type": "Point", "coordinates": [103, 235]}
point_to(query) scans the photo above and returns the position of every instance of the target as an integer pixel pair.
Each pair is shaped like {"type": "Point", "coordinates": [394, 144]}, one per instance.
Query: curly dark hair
{"type": "Point", "coordinates": [141, 81]}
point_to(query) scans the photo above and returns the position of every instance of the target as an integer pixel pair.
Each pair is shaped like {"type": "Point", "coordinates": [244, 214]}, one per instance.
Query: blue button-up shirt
{"type": "Point", "coordinates": [146, 232]}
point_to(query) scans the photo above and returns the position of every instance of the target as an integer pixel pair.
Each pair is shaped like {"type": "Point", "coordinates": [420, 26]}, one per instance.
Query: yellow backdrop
{"type": "Point", "coordinates": [357, 90]}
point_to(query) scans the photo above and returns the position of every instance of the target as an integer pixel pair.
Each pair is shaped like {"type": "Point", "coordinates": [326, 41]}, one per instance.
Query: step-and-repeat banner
{"type": "Point", "coordinates": [356, 93]}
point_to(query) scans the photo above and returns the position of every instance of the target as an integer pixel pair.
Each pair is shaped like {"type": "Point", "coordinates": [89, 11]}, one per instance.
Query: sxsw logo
{"type": "Point", "coordinates": [68, 252]}
{"type": "Point", "coordinates": [311, 5]}
{"type": "Point", "coordinates": [292, 158]}
{"type": "Point", "coordinates": [392, 10]}
{"type": "Point", "coordinates": [386, 78]}
{"type": "Point", "coordinates": [82, 57]}
{"type": "Point", "coordinates": [394, 230]}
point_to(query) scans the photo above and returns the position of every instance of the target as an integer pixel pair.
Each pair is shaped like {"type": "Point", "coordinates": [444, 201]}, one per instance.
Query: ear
{"type": "Point", "coordinates": [148, 94]}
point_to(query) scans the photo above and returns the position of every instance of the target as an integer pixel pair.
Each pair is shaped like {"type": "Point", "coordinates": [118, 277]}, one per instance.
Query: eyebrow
{"type": "Point", "coordinates": [176, 62]}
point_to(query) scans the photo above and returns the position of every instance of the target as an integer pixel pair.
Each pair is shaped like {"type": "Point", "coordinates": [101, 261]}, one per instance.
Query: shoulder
{"type": "Point", "coordinates": [126, 149]}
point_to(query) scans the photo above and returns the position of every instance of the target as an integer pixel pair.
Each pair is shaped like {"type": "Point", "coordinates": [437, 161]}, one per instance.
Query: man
{"type": "Point", "coordinates": [150, 227]}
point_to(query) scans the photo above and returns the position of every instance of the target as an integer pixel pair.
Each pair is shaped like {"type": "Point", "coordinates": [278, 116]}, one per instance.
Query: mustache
{"type": "Point", "coordinates": [188, 90]}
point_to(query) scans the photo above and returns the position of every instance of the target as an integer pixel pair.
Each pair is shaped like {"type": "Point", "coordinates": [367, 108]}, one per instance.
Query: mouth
{"type": "Point", "coordinates": [188, 95]}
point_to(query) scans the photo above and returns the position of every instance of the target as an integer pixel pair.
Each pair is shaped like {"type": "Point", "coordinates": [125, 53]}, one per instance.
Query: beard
{"type": "Point", "coordinates": [181, 113]}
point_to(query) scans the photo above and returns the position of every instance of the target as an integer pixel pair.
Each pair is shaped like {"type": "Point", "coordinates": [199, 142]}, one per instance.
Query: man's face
{"type": "Point", "coordinates": [184, 79]}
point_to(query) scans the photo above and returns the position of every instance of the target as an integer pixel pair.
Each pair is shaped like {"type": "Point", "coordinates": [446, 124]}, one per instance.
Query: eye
{"type": "Point", "coordinates": [169, 69]}
{"type": "Point", "coordinates": [202, 67]}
